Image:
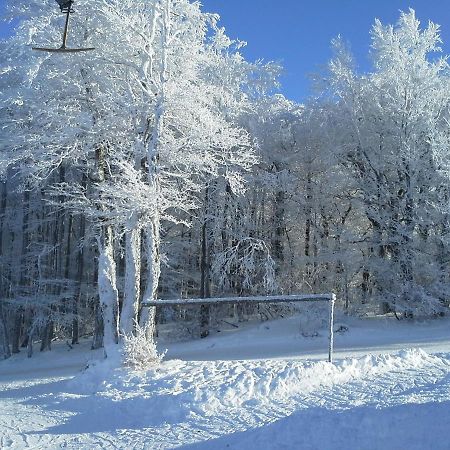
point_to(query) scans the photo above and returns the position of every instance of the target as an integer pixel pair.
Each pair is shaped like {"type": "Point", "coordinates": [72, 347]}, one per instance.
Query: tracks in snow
{"type": "Point", "coordinates": [190, 402]}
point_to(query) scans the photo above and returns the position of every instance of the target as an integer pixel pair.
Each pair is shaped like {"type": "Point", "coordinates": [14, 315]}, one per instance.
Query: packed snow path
{"type": "Point", "coordinates": [391, 401]}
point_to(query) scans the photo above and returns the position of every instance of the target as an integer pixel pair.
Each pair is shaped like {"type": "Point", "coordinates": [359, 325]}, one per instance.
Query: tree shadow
{"type": "Point", "coordinates": [95, 413]}
{"type": "Point", "coordinates": [410, 426]}
{"type": "Point", "coordinates": [33, 390]}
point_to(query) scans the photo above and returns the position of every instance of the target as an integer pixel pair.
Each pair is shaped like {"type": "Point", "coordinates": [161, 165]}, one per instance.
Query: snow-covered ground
{"type": "Point", "coordinates": [263, 386]}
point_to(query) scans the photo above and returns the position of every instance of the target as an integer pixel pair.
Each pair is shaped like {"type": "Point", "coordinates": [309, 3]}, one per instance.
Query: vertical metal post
{"type": "Point", "coordinates": [331, 324]}
{"type": "Point", "coordinates": [66, 27]}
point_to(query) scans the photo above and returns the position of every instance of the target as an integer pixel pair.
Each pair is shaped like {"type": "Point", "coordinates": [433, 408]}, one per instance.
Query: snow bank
{"type": "Point", "coordinates": [178, 389]}
{"type": "Point", "coordinates": [386, 401]}
{"type": "Point", "coordinates": [410, 426]}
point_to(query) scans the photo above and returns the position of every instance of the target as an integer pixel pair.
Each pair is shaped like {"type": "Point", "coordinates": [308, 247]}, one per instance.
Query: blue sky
{"type": "Point", "coordinates": [297, 33]}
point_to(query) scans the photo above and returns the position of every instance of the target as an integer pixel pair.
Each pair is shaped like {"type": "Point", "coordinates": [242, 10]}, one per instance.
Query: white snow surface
{"type": "Point", "coordinates": [261, 387]}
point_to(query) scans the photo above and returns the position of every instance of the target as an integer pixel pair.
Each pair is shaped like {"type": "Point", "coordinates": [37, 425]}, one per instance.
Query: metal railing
{"type": "Point", "coordinates": [313, 298]}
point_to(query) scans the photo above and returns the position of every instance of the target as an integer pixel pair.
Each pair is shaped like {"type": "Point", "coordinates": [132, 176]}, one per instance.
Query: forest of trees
{"type": "Point", "coordinates": [165, 165]}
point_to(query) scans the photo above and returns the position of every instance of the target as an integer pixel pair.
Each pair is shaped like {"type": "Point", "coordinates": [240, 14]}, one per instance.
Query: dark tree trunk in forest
{"type": "Point", "coordinates": [27, 322]}
{"type": "Point", "coordinates": [280, 228]}
{"type": "Point", "coordinates": [21, 275]}
{"type": "Point", "coordinates": [5, 351]}
{"type": "Point", "coordinates": [47, 336]}
{"type": "Point", "coordinates": [15, 333]}
{"type": "Point", "coordinates": [205, 290]}
{"type": "Point", "coordinates": [79, 282]}
{"type": "Point", "coordinates": [30, 342]}
{"type": "Point", "coordinates": [97, 339]}
{"type": "Point", "coordinates": [308, 213]}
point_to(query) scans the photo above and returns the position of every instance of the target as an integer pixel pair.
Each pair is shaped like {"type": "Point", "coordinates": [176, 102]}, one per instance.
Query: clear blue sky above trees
{"type": "Point", "coordinates": [297, 33]}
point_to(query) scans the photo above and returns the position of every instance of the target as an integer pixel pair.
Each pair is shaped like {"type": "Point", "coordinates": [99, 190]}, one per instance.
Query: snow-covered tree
{"type": "Point", "coordinates": [146, 119]}
{"type": "Point", "coordinates": [389, 122]}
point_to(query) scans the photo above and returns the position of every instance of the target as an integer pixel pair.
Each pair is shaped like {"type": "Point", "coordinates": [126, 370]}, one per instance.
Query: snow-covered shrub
{"type": "Point", "coordinates": [139, 349]}
{"type": "Point", "coordinates": [249, 264]}
{"type": "Point", "coordinates": [313, 318]}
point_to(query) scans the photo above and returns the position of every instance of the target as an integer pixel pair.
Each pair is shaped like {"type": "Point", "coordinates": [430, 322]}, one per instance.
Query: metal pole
{"type": "Point", "coordinates": [331, 323]}
{"type": "Point", "coordinates": [66, 27]}
{"type": "Point", "coordinates": [330, 298]}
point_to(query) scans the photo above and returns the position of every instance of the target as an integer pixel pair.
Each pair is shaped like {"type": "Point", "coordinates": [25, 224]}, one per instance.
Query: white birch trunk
{"type": "Point", "coordinates": [108, 291]}
{"type": "Point", "coordinates": [128, 315]}
{"type": "Point", "coordinates": [153, 232]}
{"type": "Point", "coordinates": [153, 273]}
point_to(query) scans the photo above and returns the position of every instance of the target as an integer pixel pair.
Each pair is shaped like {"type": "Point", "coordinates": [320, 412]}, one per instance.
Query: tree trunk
{"type": "Point", "coordinates": [5, 351]}
{"type": "Point", "coordinates": [205, 291]}
{"type": "Point", "coordinates": [97, 339]}
{"type": "Point", "coordinates": [280, 228]}
{"type": "Point", "coordinates": [107, 290]}
{"type": "Point", "coordinates": [147, 319]}
{"type": "Point", "coordinates": [47, 336]}
{"type": "Point", "coordinates": [79, 282]}
{"type": "Point", "coordinates": [15, 335]}
{"type": "Point", "coordinates": [308, 222]}
{"type": "Point", "coordinates": [30, 341]}
{"type": "Point", "coordinates": [131, 295]}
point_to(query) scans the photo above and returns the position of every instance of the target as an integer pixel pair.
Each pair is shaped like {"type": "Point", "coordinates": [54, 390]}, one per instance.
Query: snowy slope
{"type": "Point", "coordinates": [282, 339]}
{"type": "Point", "coordinates": [382, 401]}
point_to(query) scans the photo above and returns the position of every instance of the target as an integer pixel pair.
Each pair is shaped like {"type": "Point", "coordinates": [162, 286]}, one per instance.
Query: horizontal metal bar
{"type": "Point", "coordinates": [228, 300]}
